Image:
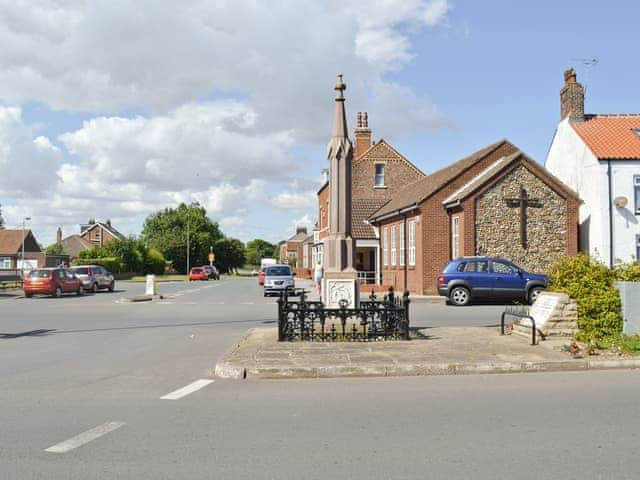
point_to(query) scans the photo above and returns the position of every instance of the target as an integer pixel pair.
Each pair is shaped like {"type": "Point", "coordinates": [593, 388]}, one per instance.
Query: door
{"type": "Point", "coordinates": [508, 282]}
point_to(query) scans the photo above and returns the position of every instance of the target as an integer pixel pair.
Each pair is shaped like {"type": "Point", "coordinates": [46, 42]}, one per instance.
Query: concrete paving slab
{"type": "Point", "coordinates": [434, 351]}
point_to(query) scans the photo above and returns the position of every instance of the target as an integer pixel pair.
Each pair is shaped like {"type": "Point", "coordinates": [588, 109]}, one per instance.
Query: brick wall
{"type": "Point", "coordinates": [394, 275]}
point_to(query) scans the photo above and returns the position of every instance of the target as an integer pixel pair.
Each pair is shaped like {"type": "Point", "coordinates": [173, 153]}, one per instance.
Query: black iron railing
{"type": "Point", "coordinates": [373, 320]}
{"type": "Point", "coordinates": [519, 312]}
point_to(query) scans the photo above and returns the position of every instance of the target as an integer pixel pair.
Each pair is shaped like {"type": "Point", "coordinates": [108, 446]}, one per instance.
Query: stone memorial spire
{"type": "Point", "coordinates": [339, 244]}
{"type": "Point", "coordinates": [340, 286]}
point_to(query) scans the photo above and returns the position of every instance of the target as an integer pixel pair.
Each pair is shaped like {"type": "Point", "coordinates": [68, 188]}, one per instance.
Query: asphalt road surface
{"type": "Point", "coordinates": [94, 388]}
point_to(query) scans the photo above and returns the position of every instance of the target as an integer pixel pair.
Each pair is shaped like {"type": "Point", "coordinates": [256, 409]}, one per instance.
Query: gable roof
{"type": "Point", "coordinates": [11, 241]}
{"type": "Point", "coordinates": [424, 188]}
{"type": "Point", "coordinates": [74, 244]}
{"type": "Point", "coordinates": [298, 237]}
{"type": "Point", "coordinates": [382, 149]}
{"type": "Point", "coordinates": [497, 168]}
{"type": "Point", "coordinates": [106, 227]}
{"type": "Point", "coordinates": [611, 136]}
{"type": "Point", "coordinates": [361, 210]}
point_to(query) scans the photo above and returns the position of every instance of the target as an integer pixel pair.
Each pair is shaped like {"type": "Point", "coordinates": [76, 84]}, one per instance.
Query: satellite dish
{"type": "Point", "coordinates": [620, 202]}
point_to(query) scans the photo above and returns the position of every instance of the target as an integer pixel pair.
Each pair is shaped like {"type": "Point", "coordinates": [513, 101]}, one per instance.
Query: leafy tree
{"type": "Point", "coordinates": [54, 249]}
{"type": "Point", "coordinates": [93, 253]}
{"type": "Point", "coordinates": [258, 249]}
{"type": "Point", "coordinates": [229, 254]}
{"type": "Point", "coordinates": [276, 250]}
{"type": "Point", "coordinates": [1, 219]}
{"type": "Point", "coordinates": [167, 231]}
{"type": "Point", "coordinates": [129, 250]}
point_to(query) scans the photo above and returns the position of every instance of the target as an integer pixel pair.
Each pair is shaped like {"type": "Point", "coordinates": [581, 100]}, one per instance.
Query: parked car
{"type": "Point", "coordinates": [51, 281]}
{"type": "Point", "coordinates": [277, 278]}
{"type": "Point", "coordinates": [198, 273]}
{"type": "Point", "coordinates": [94, 277]}
{"type": "Point", "coordinates": [211, 271]}
{"type": "Point", "coordinates": [472, 278]}
{"type": "Point", "coordinates": [261, 277]}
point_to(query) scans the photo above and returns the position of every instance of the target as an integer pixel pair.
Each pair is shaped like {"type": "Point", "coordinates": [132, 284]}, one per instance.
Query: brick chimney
{"type": "Point", "coordinates": [362, 135]}
{"type": "Point", "coordinates": [572, 98]}
{"type": "Point", "coordinates": [301, 230]}
{"type": "Point", "coordinates": [59, 235]}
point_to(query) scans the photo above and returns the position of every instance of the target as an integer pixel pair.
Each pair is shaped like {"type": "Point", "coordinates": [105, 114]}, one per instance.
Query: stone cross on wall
{"type": "Point", "coordinates": [523, 201]}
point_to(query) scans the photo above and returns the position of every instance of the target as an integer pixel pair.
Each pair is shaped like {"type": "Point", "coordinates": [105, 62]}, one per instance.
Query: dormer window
{"type": "Point", "coordinates": [379, 180]}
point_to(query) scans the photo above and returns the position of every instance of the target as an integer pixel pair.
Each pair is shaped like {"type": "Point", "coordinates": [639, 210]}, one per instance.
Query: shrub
{"type": "Point", "coordinates": [590, 283]}
{"type": "Point", "coordinates": [113, 264]}
{"type": "Point", "coordinates": [93, 253]}
{"type": "Point", "coordinates": [154, 262]}
{"type": "Point", "coordinates": [627, 272]}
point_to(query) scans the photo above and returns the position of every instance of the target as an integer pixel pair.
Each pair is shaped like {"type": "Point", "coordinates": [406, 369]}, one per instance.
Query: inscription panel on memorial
{"type": "Point", "coordinates": [541, 310]}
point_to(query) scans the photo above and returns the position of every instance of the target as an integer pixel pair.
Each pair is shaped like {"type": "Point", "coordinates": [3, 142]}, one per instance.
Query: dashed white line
{"type": "Point", "coordinates": [184, 391]}
{"type": "Point", "coordinates": [84, 437]}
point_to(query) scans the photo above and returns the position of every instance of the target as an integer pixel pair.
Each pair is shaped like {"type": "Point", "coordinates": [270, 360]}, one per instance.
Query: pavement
{"type": "Point", "coordinates": [431, 351]}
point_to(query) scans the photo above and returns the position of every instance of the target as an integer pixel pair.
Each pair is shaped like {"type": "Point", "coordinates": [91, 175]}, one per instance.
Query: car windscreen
{"type": "Point", "coordinates": [278, 271]}
{"type": "Point", "coordinates": [39, 273]}
{"type": "Point", "coordinates": [81, 271]}
{"type": "Point", "coordinates": [196, 270]}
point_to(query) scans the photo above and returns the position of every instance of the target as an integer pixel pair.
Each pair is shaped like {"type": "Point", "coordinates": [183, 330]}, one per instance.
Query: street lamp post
{"type": "Point", "coordinates": [188, 226]}
{"type": "Point", "coordinates": [24, 220]}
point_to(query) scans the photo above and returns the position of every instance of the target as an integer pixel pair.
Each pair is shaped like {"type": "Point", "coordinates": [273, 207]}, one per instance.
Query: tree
{"type": "Point", "coordinates": [229, 254]}
{"type": "Point", "coordinates": [258, 249]}
{"type": "Point", "coordinates": [1, 219]}
{"type": "Point", "coordinates": [276, 250]}
{"type": "Point", "coordinates": [54, 249]}
{"type": "Point", "coordinates": [166, 231]}
{"type": "Point", "coordinates": [129, 250]}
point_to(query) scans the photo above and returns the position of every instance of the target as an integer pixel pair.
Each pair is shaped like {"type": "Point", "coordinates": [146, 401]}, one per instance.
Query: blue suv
{"type": "Point", "coordinates": [467, 278]}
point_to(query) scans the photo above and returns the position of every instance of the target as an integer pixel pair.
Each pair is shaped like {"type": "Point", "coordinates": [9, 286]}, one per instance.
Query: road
{"type": "Point", "coordinates": [83, 381]}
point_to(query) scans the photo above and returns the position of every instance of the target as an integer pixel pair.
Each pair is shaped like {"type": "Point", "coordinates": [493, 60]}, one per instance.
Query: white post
{"type": "Point", "coordinates": [378, 278]}
{"type": "Point", "coordinates": [24, 220]}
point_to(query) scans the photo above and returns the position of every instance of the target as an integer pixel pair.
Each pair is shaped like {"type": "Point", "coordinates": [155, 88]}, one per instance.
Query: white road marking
{"type": "Point", "coordinates": [184, 391]}
{"type": "Point", "coordinates": [84, 437]}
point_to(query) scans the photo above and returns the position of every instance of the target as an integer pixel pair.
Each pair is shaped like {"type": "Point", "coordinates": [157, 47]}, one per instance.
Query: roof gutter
{"type": "Point", "coordinates": [400, 211]}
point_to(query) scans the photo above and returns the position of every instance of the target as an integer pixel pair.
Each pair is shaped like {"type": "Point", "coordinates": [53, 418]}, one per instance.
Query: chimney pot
{"type": "Point", "coordinates": [365, 120]}
{"type": "Point", "coordinates": [59, 235]}
{"type": "Point", "coordinates": [359, 120]}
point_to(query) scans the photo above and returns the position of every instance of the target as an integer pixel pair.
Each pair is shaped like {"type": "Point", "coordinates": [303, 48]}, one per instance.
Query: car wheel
{"type": "Point", "coordinates": [28, 295]}
{"type": "Point", "coordinates": [534, 293]}
{"type": "Point", "coordinates": [112, 286]}
{"type": "Point", "coordinates": [460, 296]}
{"type": "Point", "coordinates": [57, 292]}
{"type": "Point", "coordinates": [94, 287]}
{"type": "Point", "coordinates": [80, 291]}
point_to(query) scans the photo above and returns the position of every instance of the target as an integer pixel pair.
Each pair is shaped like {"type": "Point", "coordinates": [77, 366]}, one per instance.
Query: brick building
{"type": "Point", "coordinates": [291, 251]}
{"type": "Point", "coordinates": [92, 235]}
{"type": "Point", "coordinates": [12, 243]}
{"type": "Point", "coordinates": [496, 202]}
{"type": "Point", "coordinates": [379, 173]}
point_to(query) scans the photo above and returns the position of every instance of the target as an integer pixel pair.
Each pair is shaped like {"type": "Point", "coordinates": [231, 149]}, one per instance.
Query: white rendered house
{"type": "Point", "coordinates": [599, 157]}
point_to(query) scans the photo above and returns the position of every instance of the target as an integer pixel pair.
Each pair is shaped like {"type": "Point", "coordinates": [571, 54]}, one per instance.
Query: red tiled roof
{"type": "Point", "coordinates": [611, 136]}
{"type": "Point", "coordinates": [361, 209]}
{"type": "Point", "coordinates": [11, 240]}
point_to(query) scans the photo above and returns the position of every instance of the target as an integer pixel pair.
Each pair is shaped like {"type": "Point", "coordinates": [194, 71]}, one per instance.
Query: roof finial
{"type": "Point", "coordinates": [340, 88]}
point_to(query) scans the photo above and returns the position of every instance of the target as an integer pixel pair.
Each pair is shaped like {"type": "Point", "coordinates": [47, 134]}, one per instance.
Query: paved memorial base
{"type": "Point", "coordinates": [435, 351]}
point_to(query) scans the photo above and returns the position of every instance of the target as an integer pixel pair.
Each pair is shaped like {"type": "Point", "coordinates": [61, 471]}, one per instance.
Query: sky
{"type": "Point", "coordinates": [115, 110]}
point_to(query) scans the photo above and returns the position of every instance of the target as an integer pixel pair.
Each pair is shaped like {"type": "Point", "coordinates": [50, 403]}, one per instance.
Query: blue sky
{"type": "Point", "coordinates": [195, 106]}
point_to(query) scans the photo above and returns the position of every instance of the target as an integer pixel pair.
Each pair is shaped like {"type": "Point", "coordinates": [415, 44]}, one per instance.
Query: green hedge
{"type": "Point", "coordinates": [591, 284]}
{"type": "Point", "coordinates": [113, 264]}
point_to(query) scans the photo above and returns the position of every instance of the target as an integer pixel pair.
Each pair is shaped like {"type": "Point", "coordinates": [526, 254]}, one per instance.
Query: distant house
{"type": "Point", "coordinates": [92, 235]}
{"type": "Point", "coordinates": [599, 157]}
{"type": "Point", "coordinates": [291, 251]}
{"type": "Point", "coordinates": [11, 249]}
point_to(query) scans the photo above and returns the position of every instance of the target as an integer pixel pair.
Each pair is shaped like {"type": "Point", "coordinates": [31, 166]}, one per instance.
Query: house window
{"type": "Point", "coordinates": [402, 250]}
{"type": "Point", "coordinates": [412, 243]}
{"type": "Point", "coordinates": [455, 237]}
{"type": "Point", "coordinates": [385, 246]}
{"type": "Point", "coordinates": [379, 174]}
{"type": "Point", "coordinates": [5, 263]}
{"type": "Point", "coordinates": [393, 244]}
{"type": "Point", "coordinates": [636, 192]}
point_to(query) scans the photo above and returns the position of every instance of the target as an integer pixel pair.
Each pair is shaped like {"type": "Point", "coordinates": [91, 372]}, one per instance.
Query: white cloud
{"type": "Point", "coordinates": [28, 163]}
{"type": "Point", "coordinates": [229, 89]}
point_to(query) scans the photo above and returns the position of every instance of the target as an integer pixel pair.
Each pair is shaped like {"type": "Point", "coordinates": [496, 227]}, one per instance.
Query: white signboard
{"type": "Point", "coordinates": [541, 310]}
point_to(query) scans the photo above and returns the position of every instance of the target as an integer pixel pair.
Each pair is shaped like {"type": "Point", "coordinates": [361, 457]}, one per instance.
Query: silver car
{"type": "Point", "coordinates": [94, 277]}
{"type": "Point", "coordinates": [276, 279]}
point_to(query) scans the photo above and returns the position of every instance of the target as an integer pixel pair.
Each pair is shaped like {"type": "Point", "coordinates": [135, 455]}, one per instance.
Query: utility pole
{"type": "Point", "coordinates": [188, 226]}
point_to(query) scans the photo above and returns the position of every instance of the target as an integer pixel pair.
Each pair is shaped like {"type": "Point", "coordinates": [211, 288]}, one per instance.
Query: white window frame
{"type": "Point", "coordinates": [385, 246]}
{"type": "Point", "coordinates": [455, 237]}
{"type": "Point", "coordinates": [375, 175]}
{"type": "Point", "coordinates": [394, 228]}
{"type": "Point", "coordinates": [636, 193]}
{"type": "Point", "coordinates": [5, 263]}
{"type": "Point", "coordinates": [402, 241]}
{"type": "Point", "coordinates": [412, 243]}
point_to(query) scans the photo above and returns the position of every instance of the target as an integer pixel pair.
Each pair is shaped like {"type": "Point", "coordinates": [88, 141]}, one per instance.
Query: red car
{"type": "Point", "coordinates": [261, 277]}
{"type": "Point", "coordinates": [52, 281]}
{"type": "Point", "coordinates": [198, 273]}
